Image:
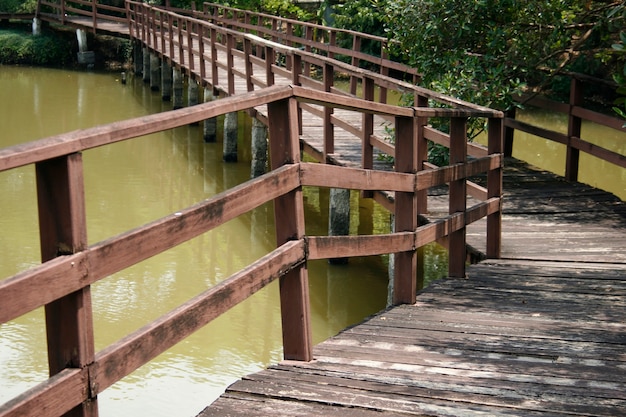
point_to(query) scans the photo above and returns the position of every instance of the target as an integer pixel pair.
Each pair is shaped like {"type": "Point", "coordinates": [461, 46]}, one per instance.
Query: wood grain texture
{"type": "Point", "coordinates": [515, 338]}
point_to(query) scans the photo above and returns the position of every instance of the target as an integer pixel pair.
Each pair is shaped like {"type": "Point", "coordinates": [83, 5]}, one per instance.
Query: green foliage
{"type": "Point", "coordinates": [620, 77]}
{"type": "Point", "coordinates": [485, 51]}
{"type": "Point", "coordinates": [365, 16]}
{"type": "Point", "coordinates": [283, 8]}
{"type": "Point", "coordinates": [23, 48]}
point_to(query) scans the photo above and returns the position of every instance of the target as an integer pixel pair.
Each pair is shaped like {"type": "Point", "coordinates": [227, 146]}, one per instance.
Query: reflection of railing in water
{"type": "Point", "coordinates": [62, 282]}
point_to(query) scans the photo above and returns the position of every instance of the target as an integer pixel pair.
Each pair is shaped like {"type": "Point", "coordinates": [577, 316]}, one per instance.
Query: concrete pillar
{"type": "Point", "coordinates": [36, 26]}
{"type": "Point", "coordinates": [177, 91]}
{"type": "Point", "coordinates": [84, 56]}
{"type": "Point", "coordinates": [192, 93]}
{"type": "Point", "coordinates": [210, 125]}
{"type": "Point", "coordinates": [230, 137]}
{"type": "Point", "coordinates": [137, 57]}
{"type": "Point", "coordinates": [339, 217]}
{"type": "Point", "coordinates": [166, 81]}
{"type": "Point", "coordinates": [259, 148]}
{"type": "Point", "coordinates": [155, 72]}
{"type": "Point", "coordinates": [146, 65]}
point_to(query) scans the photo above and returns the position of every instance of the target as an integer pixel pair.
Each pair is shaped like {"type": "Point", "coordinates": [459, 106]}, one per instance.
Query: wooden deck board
{"type": "Point", "coordinates": [556, 348]}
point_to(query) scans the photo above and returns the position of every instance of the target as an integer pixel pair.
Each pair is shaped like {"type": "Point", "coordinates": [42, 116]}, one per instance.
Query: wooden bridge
{"type": "Point", "coordinates": [537, 329]}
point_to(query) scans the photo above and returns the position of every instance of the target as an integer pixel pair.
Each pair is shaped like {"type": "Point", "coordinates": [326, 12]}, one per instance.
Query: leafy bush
{"type": "Point", "coordinates": [22, 48]}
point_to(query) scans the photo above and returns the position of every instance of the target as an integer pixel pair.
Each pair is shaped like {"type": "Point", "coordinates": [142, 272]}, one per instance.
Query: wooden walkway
{"type": "Point", "coordinates": [539, 332]}
{"type": "Point", "coordinates": [542, 333]}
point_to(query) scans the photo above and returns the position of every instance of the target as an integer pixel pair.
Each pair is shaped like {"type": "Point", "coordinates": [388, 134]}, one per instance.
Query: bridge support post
{"type": "Point", "coordinates": [155, 72]}
{"type": "Point", "coordinates": [230, 137]}
{"type": "Point", "coordinates": [339, 218]}
{"type": "Point", "coordinates": [137, 57]}
{"type": "Point", "coordinates": [259, 148]}
{"type": "Point", "coordinates": [192, 93]}
{"type": "Point", "coordinates": [146, 65]}
{"type": "Point", "coordinates": [177, 91]}
{"type": "Point", "coordinates": [36, 26]}
{"type": "Point", "coordinates": [210, 125]}
{"type": "Point", "coordinates": [166, 81]}
{"type": "Point", "coordinates": [84, 56]}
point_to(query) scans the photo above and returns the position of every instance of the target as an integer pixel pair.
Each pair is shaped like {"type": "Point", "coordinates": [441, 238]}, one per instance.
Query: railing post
{"type": "Point", "coordinates": [367, 129]}
{"type": "Point", "coordinates": [294, 286]}
{"type": "Point", "coordinates": [230, 45]}
{"type": "Point", "coordinates": [201, 59]}
{"type": "Point", "coordinates": [405, 213]}
{"type": "Point", "coordinates": [191, 62]}
{"type": "Point", "coordinates": [214, 68]}
{"type": "Point", "coordinates": [509, 133]}
{"type": "Point", "coordinates": [422, 153]}
{"type": "Point", "coordinates": [63, 231]}
{"type": "Point", "coordinates": [94, 14]}
{"type": "Point", "coordinates": [63, 12]}
{"type": "Point", "coordinates": [573, 130]}
{"type": "Point", "coordinates": [269, 61]}
{"type": "Point", "coordinates": [494, 189]}
{"type": "Point", "coordinates": [329, 129]}
{"type": "Point", "coordinates": [296, 71]}
{"type": "Point", "coordinates": [458, 198]}
{"type": "Point", "coordinates": [384, 70]}
{"type": "Point", "coordinates": [356, 47]}
{"type": "Point", "coordinates": [247, 51]}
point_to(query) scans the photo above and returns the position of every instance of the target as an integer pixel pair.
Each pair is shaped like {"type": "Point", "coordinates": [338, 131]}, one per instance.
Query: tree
{"type": "Point", "coordinates": [487, 51]}
{"type": "Point", "coordinates": [620, 76]}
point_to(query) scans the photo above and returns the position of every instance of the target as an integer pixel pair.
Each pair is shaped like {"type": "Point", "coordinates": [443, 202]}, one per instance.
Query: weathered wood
{"type": "Point", "coordinates": [355, 178]}
{"type": "Point", "coordinates": [77, 141]}
{"type": "Point", "coordinates": [68, 274]}
{"type": "Point", "coordinates": [325, 247]}
{"type": "Point", "coordinates": [458, 352]}
{"type": "Point", "coordinates": [138, 348]}
{"type": "Point", "coordinates": [294, 286]}
{"type": "Point", "coordinates": [63, 231]}
{"type": "Point", "coordinates": [405, 216]}
{"type": "Point", "coordinates": [56, 396]}
{"type": "Point", "coordinates": [458, 197]}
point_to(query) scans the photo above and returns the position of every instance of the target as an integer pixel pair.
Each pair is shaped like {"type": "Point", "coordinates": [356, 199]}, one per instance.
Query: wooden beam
{"type": "Point", "coordinates": [63, 231]}
{"type": "Point", "coordinates": [289, 215]}
{"type": "Point", "coordinates": [458, 197]}
{"type": "Point", "coordinates": [123, 357]}
{"type": "Point", "coordinates": [405, 264]}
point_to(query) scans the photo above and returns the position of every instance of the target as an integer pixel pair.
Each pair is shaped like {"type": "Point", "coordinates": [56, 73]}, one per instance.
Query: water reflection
{"type": "Point", "coordinates": [131, 183]}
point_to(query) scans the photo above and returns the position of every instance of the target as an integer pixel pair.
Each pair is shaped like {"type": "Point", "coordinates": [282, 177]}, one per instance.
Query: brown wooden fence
{"type": "Point", "coordinates": [70, 264]}
{"type": "Point", "coordinates": [66, 12]}
{"type": "Point", "coordinates": [233, 62]}
{"type": "Point", "coordinates": [576, 113]}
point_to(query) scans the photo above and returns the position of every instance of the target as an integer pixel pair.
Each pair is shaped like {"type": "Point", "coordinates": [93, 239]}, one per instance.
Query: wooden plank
{"type": "Point", "coordinates": [326, 247]}
{"type": "Point", "coordinates": [56, 396]}
{"type": "Point", "coordinates": [67, 143]}
{"type": "Point", "coordinates": [138, 348]}
{"type": "Point", "coordinates": [354, 178]}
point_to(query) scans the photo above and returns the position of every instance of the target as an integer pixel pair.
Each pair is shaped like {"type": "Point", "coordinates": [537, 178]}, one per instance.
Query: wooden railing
{"type": "Point", "coordinates": [576, 113]}
{"type": "Point", "coordinates": [356, 48]}
{"type": "Point", "coordinates": [70, 265]}
{"type": "Point", "coordinates": [217, 56]}
{"type": "Point", "coordinates": [65, 10]}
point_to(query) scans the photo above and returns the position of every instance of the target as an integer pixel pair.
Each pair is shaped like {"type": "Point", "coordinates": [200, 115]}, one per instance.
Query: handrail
{"type": "Point", "coordinates": [576, 113]}
{"type": "Point", "coordinates": [62, 281]}
{"type": "Point", "coordinates": [66, 10]}
{"type": "Point", "coordinates": [207, 52]}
